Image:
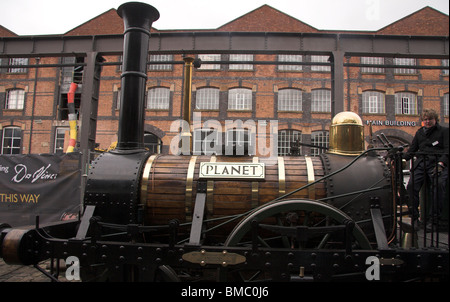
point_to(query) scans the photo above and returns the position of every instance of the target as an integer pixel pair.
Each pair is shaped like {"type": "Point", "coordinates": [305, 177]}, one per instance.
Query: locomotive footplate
{"type": "Point", "coordinates": [133, 261]}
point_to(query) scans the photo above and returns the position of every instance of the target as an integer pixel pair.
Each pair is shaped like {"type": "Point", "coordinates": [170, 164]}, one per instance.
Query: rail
{"type": "Point", "coordinates": [423, 220]}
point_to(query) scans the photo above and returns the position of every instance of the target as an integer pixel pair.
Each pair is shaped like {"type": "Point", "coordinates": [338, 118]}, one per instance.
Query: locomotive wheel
{"type": "Point", "coordinates": [309, 208]}
{"type": "Point", "coordinates": [306, 213]}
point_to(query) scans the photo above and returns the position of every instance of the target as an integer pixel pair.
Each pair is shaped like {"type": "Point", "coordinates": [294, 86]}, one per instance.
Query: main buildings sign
{"type": "Point", "coordinates": [232, 170]}
{"type": "Point", "coordinates": [392, 123]}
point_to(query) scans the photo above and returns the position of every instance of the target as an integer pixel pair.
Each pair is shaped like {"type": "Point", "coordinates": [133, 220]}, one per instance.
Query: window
{"type": "Point", "coordinates": [446, 104]}
{"type": "Point", "coordinates": [15, 99]}
{"type": "Point", "coordinates": [18, 61]}
{"type": "Point", "coordinates": [238, 142]}
{"type": "Point", "coordinates": [160, 58]}
{"type": "Point", "coordinates": [445, 63]}
{"type": "Point", "coordinates": [321, 100]}
{"type": "Point", "coordinates": [290, 100]}
{"type": "Point", "coordinates": [241, 66]}
{"type": "Point", "coordinates": [206, 58]}
{"type": "Point", "coordinates": [285, 140]}
{"type": "Point", "coordinates": [290, 58]}
{"type": "Point", "coordinates": [152, 143]}
{"type": "Point", "coordinates": [158, 98]}
{"type": "Point", "coordinates": [240, 99]}
{"type": "Point", "coordinates": [206, 141]}
{"type": "Point", "coordinates": [59, 139]}
{"type": "Point", "coordinates": [406, 62]}
{"type": "Point", "coordinates": [406, 103]}
{"type": "Point", "coordinates": [11, 140]}
{"type": "Point", "coordinates": [320, 59]}
{"type": "Point", "coordinates": [373, 102]}
{"type": "Point", "coordinates": [319, 138]}
{"type": "Point", "coordinates": [372, 61]}
{"type": "Point", "coordinates": [117, 96]}
{"type": "Point", "coordinates": [207, 98]}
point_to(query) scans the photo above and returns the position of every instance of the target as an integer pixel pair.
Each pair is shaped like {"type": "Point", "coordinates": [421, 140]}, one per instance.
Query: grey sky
{"type": "Point", "coordinates": [31, 17]}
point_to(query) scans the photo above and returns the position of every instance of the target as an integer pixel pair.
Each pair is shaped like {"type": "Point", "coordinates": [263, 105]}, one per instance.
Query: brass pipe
{"type": "Point", "coordinates": [186, 135]}
{"type": "Point", "coordinates": [188, 64]}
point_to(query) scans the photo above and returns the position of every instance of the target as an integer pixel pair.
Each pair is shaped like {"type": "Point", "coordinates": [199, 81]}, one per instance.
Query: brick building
{"type": "Point", "coordinates": [293, 89]}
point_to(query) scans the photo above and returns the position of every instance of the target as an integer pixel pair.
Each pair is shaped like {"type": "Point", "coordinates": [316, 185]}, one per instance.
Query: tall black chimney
{"type": "Point", "coordinates": [138, 18]}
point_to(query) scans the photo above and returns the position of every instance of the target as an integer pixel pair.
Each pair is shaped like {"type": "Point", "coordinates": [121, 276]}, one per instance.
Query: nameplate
{"type": "Point", "coordinates": [232, 170]}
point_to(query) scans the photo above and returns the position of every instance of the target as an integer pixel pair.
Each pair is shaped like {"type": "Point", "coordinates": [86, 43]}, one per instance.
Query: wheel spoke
{"type": "Point", "coordinates": [301, 224]}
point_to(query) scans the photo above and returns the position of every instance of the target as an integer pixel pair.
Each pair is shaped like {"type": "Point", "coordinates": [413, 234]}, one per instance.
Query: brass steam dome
{"type": "Point", "coordinates": [346, 134]}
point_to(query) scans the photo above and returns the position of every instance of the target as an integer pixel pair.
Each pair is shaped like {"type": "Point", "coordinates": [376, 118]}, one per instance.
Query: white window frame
{"type": "Point", "coordinates": [285, 140]}
{"type": "Point", "coordinates": [60, 134]}
{"type": "Point", "coordinates": [160, 58]}
{"type": "Point", "coordinates": [446, 104]}
{"type": "Point", "coordinates": [241, 57]}
{"type": "Point", "coordinates": [240, 99]}
{"type": "Point", "coordinates": [15, 140]}
{"type": "Point", "coordinates": [321, 139]}
{"type": "Point", "coordinates": [289, 100]}
{"type": "Point", "coordinates": [373, 102]}
{"type": "Point", "coordinates": [18, 61]}
{"type": "Point", "coordinates": [207, 98]}
{"type": "Point", "coordinates": [158, 98]}
{"type": "Point", "coordinates": [373, 61]}
{"type": "Point", "coordinates": [321, 100]}
{"type": "Point", "coordinates": [290, 58]}
{"type": "Point", "coordinates": [15, 99]}
{"type": "Point", "coordinates": [320, 68]}
{"type": "Point", "coordinates": [209, 57]}
{"type": "Point", "coordinates": [406, 62]}
{"type": "Point", "coordinates": [240, 136]}
{"type": "Point", "coordinates": [406, 103]}
{"type": "Point", "coordinates": [444, 62]}
{"type": "Point", "coordinates": [202, 140]}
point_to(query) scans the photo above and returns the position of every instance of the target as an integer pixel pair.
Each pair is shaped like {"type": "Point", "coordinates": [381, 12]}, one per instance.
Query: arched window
{"type": "Point", "coordinates": [406, 103]}
{"type": "Point", "coordinates": [373, 102]}
{"type": "Point", "coordinates": [158, 98]}
{"type": "Point", "coordinates": [152, 143]}
{"type": "Point", "coordinates": [207, 98]}
{"type": "Point", "coordinates": [290, 100]}
{"type": "Point", "coordinates": [240, 99]}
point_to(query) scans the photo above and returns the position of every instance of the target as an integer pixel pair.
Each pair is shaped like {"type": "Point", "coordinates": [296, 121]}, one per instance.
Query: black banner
{"type": "Point", "coordinates": [44, 185]}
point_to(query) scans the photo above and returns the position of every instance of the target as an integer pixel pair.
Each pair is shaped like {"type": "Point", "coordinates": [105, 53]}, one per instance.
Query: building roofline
{"type": "Point", "coordinates": [410, 15]}
{"type": "Point", "coordinates": [271, 7]}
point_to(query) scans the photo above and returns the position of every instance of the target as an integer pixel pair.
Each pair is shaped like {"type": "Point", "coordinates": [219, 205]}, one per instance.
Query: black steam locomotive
{"type": "Point", "coordinates": [229, 217]}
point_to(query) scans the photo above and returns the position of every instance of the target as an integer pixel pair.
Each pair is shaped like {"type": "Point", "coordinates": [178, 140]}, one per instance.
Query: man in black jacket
{"type": "Point", "coordinates": [429, 141]}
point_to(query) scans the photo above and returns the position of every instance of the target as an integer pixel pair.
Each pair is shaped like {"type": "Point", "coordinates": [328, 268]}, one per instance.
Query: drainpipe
{"type": "Point", "coordinates": [34, 102]}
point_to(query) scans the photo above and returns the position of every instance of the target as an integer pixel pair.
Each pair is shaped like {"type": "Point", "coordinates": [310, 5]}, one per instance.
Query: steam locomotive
{"type": "Point", "coordinates": [152, 217]}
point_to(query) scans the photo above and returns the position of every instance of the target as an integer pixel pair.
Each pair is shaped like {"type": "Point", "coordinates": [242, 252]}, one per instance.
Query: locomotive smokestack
{"type": "Point", "coordinates": [137, 18]}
